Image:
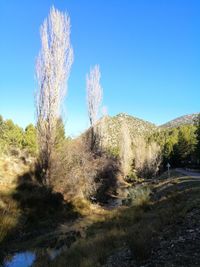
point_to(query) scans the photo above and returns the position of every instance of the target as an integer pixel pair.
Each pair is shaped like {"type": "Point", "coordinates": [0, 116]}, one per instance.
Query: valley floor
{"type": "Point", "coordinates": [157, 230]}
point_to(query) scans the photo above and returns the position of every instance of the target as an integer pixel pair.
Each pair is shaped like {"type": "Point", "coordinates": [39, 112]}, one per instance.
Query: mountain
{"type": "Point", "coordinates": [111, 128]}
{"type": "Point", "coordinates": [186, 119]}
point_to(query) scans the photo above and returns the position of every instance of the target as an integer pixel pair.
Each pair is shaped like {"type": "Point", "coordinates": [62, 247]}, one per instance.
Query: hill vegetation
{"type": "Point", "coordinates": [178, 144]}
{"type": "Point", "coordinates": [183, 120]}
{"type": "Point", "coordinates": [89, 180]}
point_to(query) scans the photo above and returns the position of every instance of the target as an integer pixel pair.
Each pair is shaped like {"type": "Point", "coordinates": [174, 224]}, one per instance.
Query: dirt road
{"type": "Point", "coordinates": [188, 172]}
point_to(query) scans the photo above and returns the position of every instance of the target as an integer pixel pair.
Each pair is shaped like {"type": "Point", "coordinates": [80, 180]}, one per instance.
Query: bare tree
{"type": "Point", "coordinates": [139, 149]}
{"type": "Point", "coordinates": [153, 159]}
{"type": "Point", "coordinates": [52, 72]}
{"type": "Point", "coordinates": [147, 157]}
{"type": "Point", "coordinates": [94, 99]}
{"type": "Point", "coordinates": [125, 149]}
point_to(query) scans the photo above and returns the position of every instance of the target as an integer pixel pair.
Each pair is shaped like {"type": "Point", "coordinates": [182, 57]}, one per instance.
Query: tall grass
{"type": "Point", "coordinates": [9, 215]}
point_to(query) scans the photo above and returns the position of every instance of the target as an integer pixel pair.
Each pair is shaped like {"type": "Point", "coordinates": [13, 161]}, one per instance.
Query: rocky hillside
{"type": "Point", "coordinates": [110, 128]}
{"type": "Point", "coordinates": [186, 119]}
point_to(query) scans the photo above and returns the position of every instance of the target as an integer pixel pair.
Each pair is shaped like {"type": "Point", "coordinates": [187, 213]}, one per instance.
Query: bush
{"type": "Point", "coordinates": [30, 140]}
{"type": "Point", "coordinates": [138, 196]}
{"type": "Point", "coordinates": [79, 173]}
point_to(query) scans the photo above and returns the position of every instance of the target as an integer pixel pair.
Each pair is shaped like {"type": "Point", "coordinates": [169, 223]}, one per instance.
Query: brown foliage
{"type": "Point", "coordinates": [147, 158]}
{"type": "Point", "coordinates": [78, 172]}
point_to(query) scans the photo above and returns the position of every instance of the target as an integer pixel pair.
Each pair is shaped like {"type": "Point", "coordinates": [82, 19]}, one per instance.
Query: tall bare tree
{"type": "Point", "coordinates": [147, 157]}
{"type": "Point", "coordinates": [94, 99]}
{"type": "Point", "coordinates": [125, 149]}
{"type": "Point", "coordinates": [52, 71]}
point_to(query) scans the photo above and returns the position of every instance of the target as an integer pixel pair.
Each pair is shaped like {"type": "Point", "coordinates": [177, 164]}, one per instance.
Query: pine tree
{"type": "Point", "coordinates": [30, 139]}
{"type": "Point", "coordinates": [197, 150]}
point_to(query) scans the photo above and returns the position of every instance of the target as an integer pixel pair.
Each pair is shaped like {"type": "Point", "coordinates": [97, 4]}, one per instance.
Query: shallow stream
{"type": "Point", "coordinates": [27, 258]}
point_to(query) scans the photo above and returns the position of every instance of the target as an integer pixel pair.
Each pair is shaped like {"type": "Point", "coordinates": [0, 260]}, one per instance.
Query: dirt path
{"type": "Point", "coordinates": [188, 172]}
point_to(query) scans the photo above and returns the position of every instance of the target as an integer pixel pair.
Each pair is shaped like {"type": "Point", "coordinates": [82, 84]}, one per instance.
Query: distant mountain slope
{"type": "Point", "coordinates": [186, 119]}
{"type": "Point", "coordinates": [111, 128]}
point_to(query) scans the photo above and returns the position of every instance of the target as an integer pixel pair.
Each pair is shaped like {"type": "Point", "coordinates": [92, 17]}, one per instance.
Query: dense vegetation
{"type": "Point", "coordinates": [180, 145]}
{"type": "Point", "coordinates": [13, 137]}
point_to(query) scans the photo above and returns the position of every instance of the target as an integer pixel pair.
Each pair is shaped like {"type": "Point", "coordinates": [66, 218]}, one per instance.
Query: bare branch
{"type": "Point", "coordinates": [52, 72]}
{"type": "Point", "coordinates": [94, 94]}
{"type": "Point", "coordinates": [94, 99]}
{"type": "Point", "coordinates": [126, 154]}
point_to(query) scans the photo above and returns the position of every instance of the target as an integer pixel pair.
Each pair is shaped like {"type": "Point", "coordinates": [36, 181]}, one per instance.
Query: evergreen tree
{"type": "Point", "coordinates": [197, 150]}
{"type": "Point", "coordinates": [30, 140]}
{"type": "Point", "coordinates": [12, 134]}
{"type": "Point", "coordinates": [2, 140]}
{"type": "Point", "coordinates": [184, 150]}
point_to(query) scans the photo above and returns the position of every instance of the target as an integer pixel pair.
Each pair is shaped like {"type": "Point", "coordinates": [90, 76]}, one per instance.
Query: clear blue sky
{"type": "Point", "coordinates": [148, 52]}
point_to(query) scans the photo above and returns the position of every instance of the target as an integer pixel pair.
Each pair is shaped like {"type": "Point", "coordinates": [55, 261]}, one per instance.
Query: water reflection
{"type": "Point", "coordinates": [24, 259]}
{"type": "Point", "coordinates": [27, 258]}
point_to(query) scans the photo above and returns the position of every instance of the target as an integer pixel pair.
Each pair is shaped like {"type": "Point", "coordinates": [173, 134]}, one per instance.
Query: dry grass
{"type": "Point", "coordinates": [86, 208]}
{"type": "Point", "coordinates": [26, 207]}
{"type": "Point", "coordinates": [9, 215]}
{"type": "Point", "coordinates": [10, 168]}
{"type": "Point", "coordinates": [136, 227]}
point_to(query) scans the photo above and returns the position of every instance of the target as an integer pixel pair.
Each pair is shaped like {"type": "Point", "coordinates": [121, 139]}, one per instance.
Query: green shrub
{"type": "Point", "coordinates": [30, 140]}
{"type": "Point", "coordinates": [14, 138]}
{"type": "Point", "coordinates": [138, 196]}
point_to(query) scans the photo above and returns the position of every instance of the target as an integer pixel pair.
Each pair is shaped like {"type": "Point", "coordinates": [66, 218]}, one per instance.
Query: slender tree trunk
{"type": "Point", "coordinates": [52, 70]}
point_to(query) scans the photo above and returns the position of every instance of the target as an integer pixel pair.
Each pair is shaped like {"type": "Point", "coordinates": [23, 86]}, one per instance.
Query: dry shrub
{"type": "Point", "coordinates": [9, 216]}
{"type": "Point", "coordinates": [77, 171]}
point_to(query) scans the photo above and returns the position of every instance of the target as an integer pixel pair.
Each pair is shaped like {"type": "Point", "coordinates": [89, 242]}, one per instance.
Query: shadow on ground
{"type": "Point", "coordinates": [164, 232]}
{"type": "Point", "coordinates": [34, 212]}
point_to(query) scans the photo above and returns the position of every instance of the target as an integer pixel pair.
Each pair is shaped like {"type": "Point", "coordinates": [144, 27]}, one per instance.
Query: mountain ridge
{"type": "Point", "coordinates": [111, 128]}
{"type": "Point", "coordinates": [182, 120]}
{"type": "Point", "coordinates": [178, 121]}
